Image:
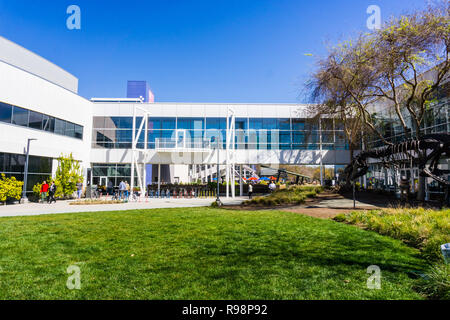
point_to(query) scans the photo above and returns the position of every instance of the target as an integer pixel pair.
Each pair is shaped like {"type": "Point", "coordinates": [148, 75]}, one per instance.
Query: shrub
{"type": "Point", "coordinates": [436, 283]}
{"type": "Point", "coordinates": [291, 195]}
{"type": "Point", "coordinates": [10, 188]}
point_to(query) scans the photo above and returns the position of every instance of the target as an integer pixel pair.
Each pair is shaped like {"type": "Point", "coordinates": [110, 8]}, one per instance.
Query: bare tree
{"type": "Point", "coordinates": [396, 70]}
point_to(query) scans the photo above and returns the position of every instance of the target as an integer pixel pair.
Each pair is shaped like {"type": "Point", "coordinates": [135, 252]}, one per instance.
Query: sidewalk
{"type": "Point", "coordinates": [30, 209]}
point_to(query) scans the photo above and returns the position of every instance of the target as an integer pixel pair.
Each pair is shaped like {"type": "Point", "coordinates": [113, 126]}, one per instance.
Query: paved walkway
{"type": "Point", "coordinates": [30, 209]}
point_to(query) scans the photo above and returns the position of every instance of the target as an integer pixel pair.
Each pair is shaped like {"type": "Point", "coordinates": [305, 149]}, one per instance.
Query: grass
{"type": "Point", "coordinates": [199, 253]}
{"type": "Point", "coordinates": [292, 195]}
{"type": "Point", "coordinates": [424, 229]}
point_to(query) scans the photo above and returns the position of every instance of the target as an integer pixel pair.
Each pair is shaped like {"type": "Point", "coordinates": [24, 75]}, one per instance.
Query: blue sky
{"type": "Point", "coordinates": [191, 51]}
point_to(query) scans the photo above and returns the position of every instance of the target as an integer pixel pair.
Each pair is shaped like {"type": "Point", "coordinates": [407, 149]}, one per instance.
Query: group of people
{"type": "Point", "coordinates": [48, 192]}
{"type": "Point", "coordinates": [272, 188]}
{"type": "Point", "coordinates": [124, 189]}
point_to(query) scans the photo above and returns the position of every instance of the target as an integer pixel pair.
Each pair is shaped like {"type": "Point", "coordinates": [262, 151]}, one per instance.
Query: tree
{"type": "Point", "coordinates": [10, 188]}
{"type": "Point", "coordinates": [389, 76]}
{"type": "Point", "coordinates": [67, 175]}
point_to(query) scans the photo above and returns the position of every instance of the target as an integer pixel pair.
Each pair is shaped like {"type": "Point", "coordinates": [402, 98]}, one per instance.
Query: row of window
{"type": "Point", "coordinates": [13, 165]}
{"type": "Point", "coordinates": [244, 139]}
{"type": "Point", "coordinates": [251, 133]}
{"type": "Point", "coordinates": [172, 123]}
{"type": "Point", "coordinates": [36, 120]}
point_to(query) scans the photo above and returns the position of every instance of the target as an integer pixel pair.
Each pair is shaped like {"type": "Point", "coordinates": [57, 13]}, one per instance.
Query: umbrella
{"type": "Point", "coordinates": [214, 179]}
{"type": "Point", "coordinates": [273, 178]}
{"type": "Point", "coordinates": [253, 178]}
{"type": "Point", "coordinates": [265, 178]}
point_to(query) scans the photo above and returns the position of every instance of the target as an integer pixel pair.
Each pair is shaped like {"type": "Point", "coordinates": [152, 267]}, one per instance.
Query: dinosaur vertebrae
{"type": "Point", "coordinates": [430, 147]}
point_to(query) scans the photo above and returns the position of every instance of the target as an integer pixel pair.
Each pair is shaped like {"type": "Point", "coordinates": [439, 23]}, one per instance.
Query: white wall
{"type": "Point", "coordinates": [26, 90]}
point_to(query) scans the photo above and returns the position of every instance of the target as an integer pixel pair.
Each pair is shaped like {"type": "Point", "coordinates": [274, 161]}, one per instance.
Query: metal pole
{"type": "Point", "coordinates": [24, 189]}
{"type": "Point", "coordinates": [159, 179]}
{"type": "Point", "coordinates": [241, 186]}
{"type": "Point", "coordinates": [354, 195]}
{"type": "Point", "coordinates": [133, 147]}
{"type": "Point", "coordinates": [218, 175]}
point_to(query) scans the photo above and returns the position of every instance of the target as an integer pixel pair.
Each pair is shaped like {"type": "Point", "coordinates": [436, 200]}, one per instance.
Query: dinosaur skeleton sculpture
{"type": "Point", "coordinates": [430, 147]}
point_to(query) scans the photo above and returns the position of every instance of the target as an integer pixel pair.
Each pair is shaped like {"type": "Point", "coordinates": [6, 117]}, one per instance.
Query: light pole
{"type": "Point", "coordinates": [24, 189]}
{"type": "Point", "coordinates": [219, 203]}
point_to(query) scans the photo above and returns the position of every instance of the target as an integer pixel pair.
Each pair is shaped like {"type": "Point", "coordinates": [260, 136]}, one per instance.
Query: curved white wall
{"type": "Point", "coordinates": [26, 60]}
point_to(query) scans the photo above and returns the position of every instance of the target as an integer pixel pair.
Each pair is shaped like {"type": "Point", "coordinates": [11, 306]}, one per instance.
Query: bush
{"type": "Point", "coordinates": [436, 283]}
{"type": "Point", "coordinates": [287, 196]}
{"type": "Point", "coordinates": [10, 188]}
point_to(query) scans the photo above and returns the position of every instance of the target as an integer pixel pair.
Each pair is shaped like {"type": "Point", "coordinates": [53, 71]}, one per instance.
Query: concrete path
{"type": "Point", "coordinates": [341, 203]}
{"type": "Point", "coordinates": [30, 209]}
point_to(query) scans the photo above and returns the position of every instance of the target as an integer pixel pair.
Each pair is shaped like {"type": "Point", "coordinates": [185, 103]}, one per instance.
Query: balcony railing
{"type": "Point", "coordinates": [172, 145]}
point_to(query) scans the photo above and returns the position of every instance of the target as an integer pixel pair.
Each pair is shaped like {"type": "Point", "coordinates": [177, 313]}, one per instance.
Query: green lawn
{"type": "Point", "coordinates": [199, 253]}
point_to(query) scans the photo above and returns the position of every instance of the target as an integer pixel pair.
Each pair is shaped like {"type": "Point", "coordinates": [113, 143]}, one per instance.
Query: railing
{"type": "Point", "coordinates": [184, 144]}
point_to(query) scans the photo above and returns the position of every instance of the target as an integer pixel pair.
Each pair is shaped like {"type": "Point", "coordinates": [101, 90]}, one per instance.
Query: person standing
{"type": "Point", "coordinates": [109, 188]}
{"type": "Point", "coordinates": [51, 193]}
{"type": "Point", "coordinates": [272, 187]}
{"type": "Point", "coordinates": [250, 191]}
{"type": "Point", "coordinates": [79, 189]}
{"type": "Point", "coordinates": [44, 190]}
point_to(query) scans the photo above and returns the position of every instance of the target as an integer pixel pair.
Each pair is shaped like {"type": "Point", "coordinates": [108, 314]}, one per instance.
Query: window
{"type": "Point", "coordinates": [35, 120]}
{"type": "Point", "coordinates": [78, 132]}
{"type": "Point", "coordinates": [5, 112]}
{"type": "Point", "coordinates": [48, 123]}
{"type": "Point", "coordinates": [70, 129]}
{"type": "Point", "coordinates": [20, 116]}
{"type": "Point", "coordinates": [60, 126]}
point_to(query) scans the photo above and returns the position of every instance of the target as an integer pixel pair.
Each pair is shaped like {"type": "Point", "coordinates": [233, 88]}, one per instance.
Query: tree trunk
{"type": "Point", "coordinates": [421, 187]}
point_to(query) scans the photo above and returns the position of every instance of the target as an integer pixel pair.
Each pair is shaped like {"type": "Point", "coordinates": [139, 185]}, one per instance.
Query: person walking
{"type": "Point", "coordinates": [250, 191]}
{"type": "Point", "coordinates": [44, 190]}
{"type": "Point", "coordinates": [127, 190]}
{"type": "Point", "coordinates": [122, 189]}
{"type": "Point", "coordinates": [51, 193]}
{"type": "Point", "coordinates": [79, 189]}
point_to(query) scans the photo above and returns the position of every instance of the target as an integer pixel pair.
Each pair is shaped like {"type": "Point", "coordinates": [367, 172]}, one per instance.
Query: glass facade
{"type": "Point", "coordinates": [39, 121]}
{"type": "Point", "coordinates": [103, 173]}
{"type": "Point", "coordinates": [436, 120]}
{"type": "Point", "coordinates": [39, 168]}
{"type": "Point", "coordinates": [251, 133]}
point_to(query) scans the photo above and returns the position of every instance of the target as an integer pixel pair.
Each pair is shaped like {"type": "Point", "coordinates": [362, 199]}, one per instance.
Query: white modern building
{"type": "Point", "coordinates": [163, 142]}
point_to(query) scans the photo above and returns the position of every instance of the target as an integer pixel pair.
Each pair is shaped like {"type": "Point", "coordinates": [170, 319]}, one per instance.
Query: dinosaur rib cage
{"type": "Point", "coordinates": [429, 148]}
